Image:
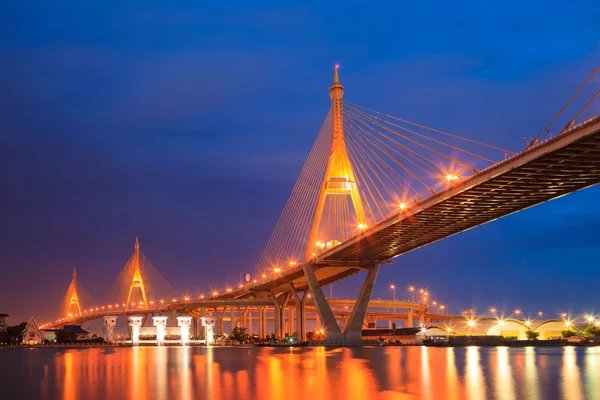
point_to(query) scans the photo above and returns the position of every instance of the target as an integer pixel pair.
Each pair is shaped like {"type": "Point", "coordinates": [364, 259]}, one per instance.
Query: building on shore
{"type": "Point", "coordinates": [32, 333]}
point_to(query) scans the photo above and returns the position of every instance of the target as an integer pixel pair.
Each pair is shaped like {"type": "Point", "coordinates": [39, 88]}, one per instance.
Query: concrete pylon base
{"type": "Point", "coordinates": [353, 338]}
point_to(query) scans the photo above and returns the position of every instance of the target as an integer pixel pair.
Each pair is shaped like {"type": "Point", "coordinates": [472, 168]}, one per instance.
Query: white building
{"type": "Point", "coordinates": [32, 334]}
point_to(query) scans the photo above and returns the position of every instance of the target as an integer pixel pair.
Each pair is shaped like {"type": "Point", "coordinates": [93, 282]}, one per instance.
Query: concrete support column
{"type": "Point", "coordinates": [173, 316]}
{"type": "Point", "coordinates": [279, 310]}
{"type": "Point", "coordinates": [390, 323]}
{"type": "Point", "coordinates": [221, 321]}
{"type": "Point", "coordinates": [421, 318]}
{"type": "Point", "coordinates": [231, 319]}
{"type": "Point", "coordinates": [302, 319]}
{"type": "Point", "coordinates": [333, 331]}
{"type": "Point", "coordinates": [409, 318]}
{"type": "Point", "coordinates": [263, 322]}
{"type": "Point", "coordinates": [353, 332]}
{"type": "Point", "coordinates": [250, 322]}
{"type": "Point", "coordinates": [291, 329]}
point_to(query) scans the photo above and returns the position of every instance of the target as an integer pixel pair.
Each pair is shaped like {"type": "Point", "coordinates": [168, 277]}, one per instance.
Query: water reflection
{"type": "Point", "coordinates": [314, 373]}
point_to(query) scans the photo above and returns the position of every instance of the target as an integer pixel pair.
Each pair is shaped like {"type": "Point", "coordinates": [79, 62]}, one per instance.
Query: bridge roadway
{"type": "Point", "coordinates": [554, 168]}
{"type": "Point", "coordinates": [243, 310]}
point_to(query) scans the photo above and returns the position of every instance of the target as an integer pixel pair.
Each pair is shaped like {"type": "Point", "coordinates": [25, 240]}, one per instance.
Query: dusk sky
{"type": "Point", "coordinates": [187, 125]}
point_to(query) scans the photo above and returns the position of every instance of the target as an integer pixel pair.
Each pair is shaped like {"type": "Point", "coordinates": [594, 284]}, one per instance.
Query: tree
{"type": "Point", "coordinates": [239, 334]}
{"type": "Point", "coordinates": [567, 333]}
{"type": "Point", "coordinates": [591, 331]}
{"type": "Point", "coordinates": [16, 330]}
{"type": "Point", "coordinates": [531, 334]}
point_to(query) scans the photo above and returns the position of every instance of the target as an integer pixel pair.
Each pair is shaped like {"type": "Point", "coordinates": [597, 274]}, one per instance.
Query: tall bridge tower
{"type": "Point", "coordinates": [339, 178]}
{"type": "Point", "coordinates": [136, 281]}
{"type": "Point", "coordinates": [72, 304]}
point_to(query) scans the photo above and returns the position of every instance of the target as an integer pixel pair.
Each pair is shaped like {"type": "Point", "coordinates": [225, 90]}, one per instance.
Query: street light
{"type": "Point", "coordinates": [501, 324]}
{"type": "Point", "coordinates": [493, 311]}
{"type": "Point", "coordinates": [540, 313]}
{"type": "Point", "coordinates": [393, 289]}
{"type": "Point", "coordinates": [471, 324]}
{"type": "Point", "coordinates": [517, 313]}
{"type": "Point", "coordinates": [411, 289]}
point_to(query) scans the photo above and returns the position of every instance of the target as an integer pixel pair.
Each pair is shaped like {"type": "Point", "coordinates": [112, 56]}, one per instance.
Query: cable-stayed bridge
{"type": "Point", "coordinates": [376, 186]}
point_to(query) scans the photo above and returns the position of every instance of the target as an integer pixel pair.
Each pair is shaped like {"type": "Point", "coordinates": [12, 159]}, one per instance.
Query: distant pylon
{"type": "Point", "coordinates": [339, 178]}
{"type": "Point", "coordinates": [136, 280]}
{"type": "Point", "coordinates": [72, 305]}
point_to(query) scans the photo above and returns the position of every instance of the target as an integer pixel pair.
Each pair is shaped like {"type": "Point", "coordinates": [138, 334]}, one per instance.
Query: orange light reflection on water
{"type": "Point", "coordinates": [316, 373]}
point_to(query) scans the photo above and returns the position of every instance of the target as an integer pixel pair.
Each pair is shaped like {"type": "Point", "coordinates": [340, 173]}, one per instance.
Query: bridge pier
{"type": "Point", "coordinates": [409, 318]}
{"type": "Point", "coordinates": [262, 323]}
{"type": "Point", "coordinates": [302, 318]}
{"type": "Point", "coordinates": [353, 331]}
{"type": "Point", "coordinates": [250, 323]}
{"type": "Point", "coordinates": [279, 309]}
{"type": "Point", "coordinates": [333, 333]}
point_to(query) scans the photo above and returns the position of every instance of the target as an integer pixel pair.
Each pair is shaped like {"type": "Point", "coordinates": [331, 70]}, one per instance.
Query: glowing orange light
{"type": "Point", "coordinates": [362, 226]}
{"type": "Point", "coordinates": [277, 270]}
{"type": "Point", "coordinates": [240, 286]}
{"type": "Point", "coordinates": [292, 263]}
{"type": "Point", "coordinates": [228, 290]}
{"type": "Point", "coordinates": [215, 293]}
{"type": "Point", "coordinates": [402, 206]}
{"type": "Point", "coordinates": [451, 177]}
{"type": "Point", "coordinates": [187, 298]}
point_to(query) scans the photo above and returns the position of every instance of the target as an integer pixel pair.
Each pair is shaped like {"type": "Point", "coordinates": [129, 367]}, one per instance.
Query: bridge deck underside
{"type": "Point", "coordinates": [552, 175]}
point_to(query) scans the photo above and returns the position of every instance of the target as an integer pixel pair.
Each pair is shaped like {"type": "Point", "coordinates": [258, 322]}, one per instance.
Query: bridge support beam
{"type": "Point", "coordinates": [262, 323]}
{"type": "Point", "coordinates": [279, 307]}
{"type": "Point", "coordinates": [333, 332]}
{"type": "Point", "coordinates": [353, 331]}
{"type": "Point", "coordinates": [409, 316]}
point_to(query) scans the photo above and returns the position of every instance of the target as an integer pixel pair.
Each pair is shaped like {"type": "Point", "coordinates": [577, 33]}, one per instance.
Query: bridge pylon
{"type": "Point", "coordinates": [137, 282]}
{"type": "Point", "coordinates": [339, 178]}
{"type": "Point", "coordinates": [72, 303]}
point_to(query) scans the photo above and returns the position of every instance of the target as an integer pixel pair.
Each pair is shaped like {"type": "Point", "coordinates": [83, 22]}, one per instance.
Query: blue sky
{"type": "Point", "coordinates": [188, 124]}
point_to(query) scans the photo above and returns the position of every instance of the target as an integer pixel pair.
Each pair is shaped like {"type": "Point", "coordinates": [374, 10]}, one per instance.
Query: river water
{"type": "Point", "coordinates": [312, 373]}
